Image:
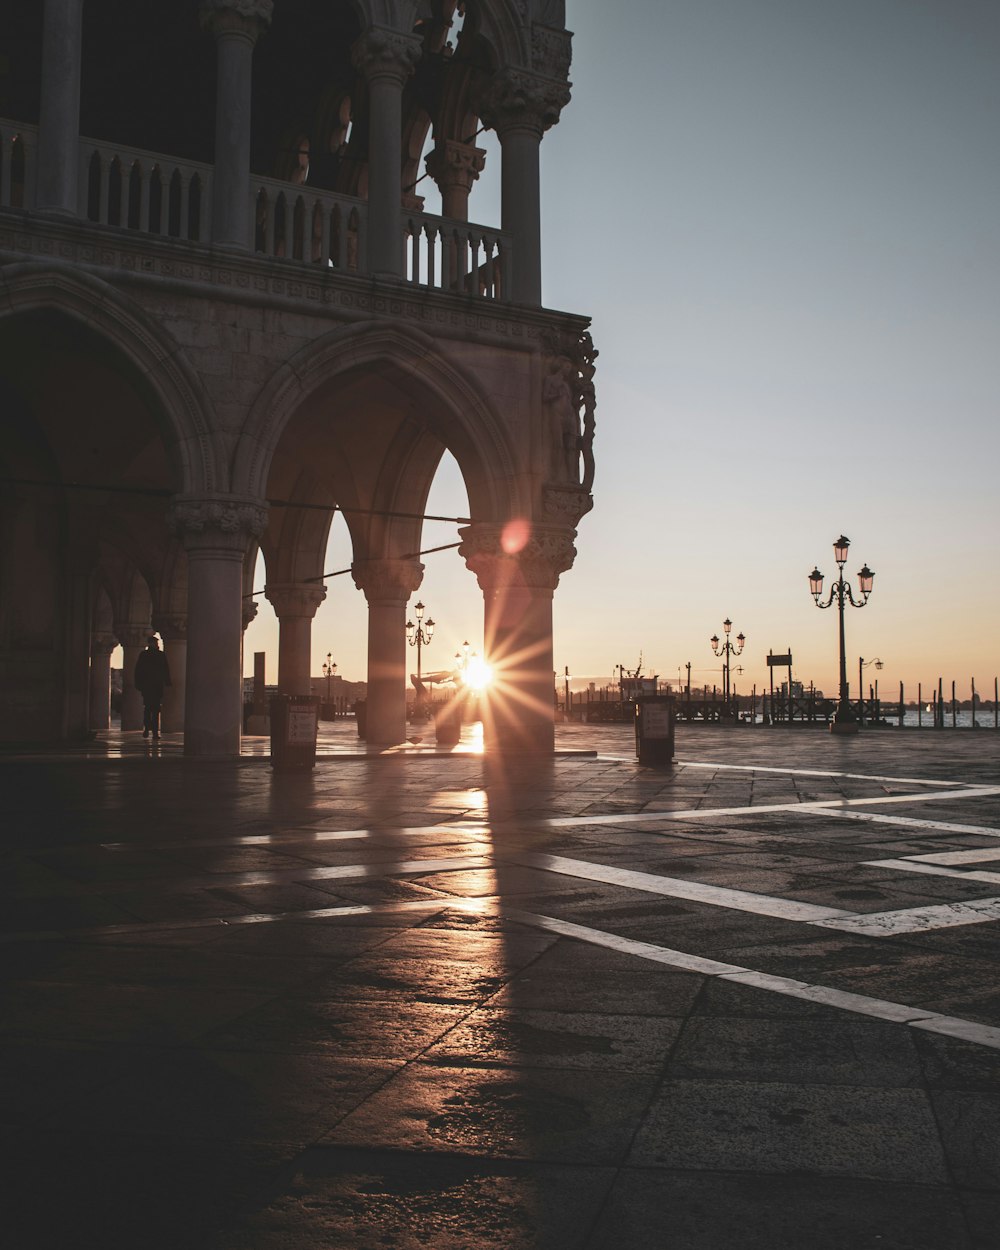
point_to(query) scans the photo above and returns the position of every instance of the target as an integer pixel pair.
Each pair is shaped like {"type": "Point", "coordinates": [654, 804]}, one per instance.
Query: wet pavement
{"type": "Point", "coordinates": [420, 998]}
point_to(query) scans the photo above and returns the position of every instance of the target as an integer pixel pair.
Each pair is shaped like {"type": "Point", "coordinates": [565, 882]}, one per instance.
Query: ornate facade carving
{"type": "Point", "coordinates": [551, 51]}
{"type": "Point", "coordinates": [566, 504]}
{"type": "Point", "coordinates": [569, 395]}
{"type": "Point", "coordinates": [295, 598]}
{"type": "Point", "coordinates": [387, 580]}
{"type": "Point", "coordinates": [519, 99]}
{"type": "Point", "coordinates": [223, 522]}
{"type": "Point", "coordinates": [548, 552]}
{"type": "Point", "coordinates": [248, 612]}
{"type": "Point", "coordinates": [382, 53]}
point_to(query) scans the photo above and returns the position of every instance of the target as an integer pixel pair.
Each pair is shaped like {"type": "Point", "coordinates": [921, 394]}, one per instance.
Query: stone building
{"type": "Point", "coordinates": [224, 315]}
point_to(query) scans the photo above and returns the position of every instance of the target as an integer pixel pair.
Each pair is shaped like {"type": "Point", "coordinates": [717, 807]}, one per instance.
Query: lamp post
{"type": "Point", "coordinates": [329, 670]}
{"type": "Point", "coordinates": [726, 650]}
{"type": "Point", "coordinates": [862, 665]}
{"type": "Point", "coordinates": [843, 721]}
{"type": "Point", "coordinates": [419, 635]}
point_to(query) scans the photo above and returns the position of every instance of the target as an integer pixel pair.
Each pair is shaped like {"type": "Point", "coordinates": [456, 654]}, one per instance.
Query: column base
{"type": "Point", "coordinates": [844, 727]}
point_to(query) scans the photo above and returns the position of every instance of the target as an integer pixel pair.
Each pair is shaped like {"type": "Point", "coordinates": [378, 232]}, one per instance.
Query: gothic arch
{"type": "Point", "coordinates": [183, 410]}
{"type": "Point", "coordinates": [484, 453]}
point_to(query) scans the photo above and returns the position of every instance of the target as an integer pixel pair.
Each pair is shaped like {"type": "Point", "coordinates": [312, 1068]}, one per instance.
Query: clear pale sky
{"type": "Point", "coordinates": [784, 219]}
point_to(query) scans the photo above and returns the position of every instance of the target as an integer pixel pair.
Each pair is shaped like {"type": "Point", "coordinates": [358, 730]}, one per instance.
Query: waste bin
{"type": "Point", "coordinates": [654, 729]}
{"type": "Point", "coordinates": [448, 721]}
{"type": "Point", "coordinates": [293, 732]}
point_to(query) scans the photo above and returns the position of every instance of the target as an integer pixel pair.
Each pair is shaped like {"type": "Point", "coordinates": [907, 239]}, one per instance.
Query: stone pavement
{"type": "Point", "coordinates": [750, 1001]}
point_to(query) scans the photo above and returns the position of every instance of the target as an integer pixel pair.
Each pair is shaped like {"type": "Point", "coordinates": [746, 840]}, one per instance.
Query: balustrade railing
{"type": "Point", "coordinates": [162, 196]}
{"type": "Point", "coordinates": [301, 223]}
{"type": "Point", "coordinates": [144, 191]}
{"type": "Point", "coordinates": [17, 165]}
{"type": "Point", "coordinates": [456, 256]}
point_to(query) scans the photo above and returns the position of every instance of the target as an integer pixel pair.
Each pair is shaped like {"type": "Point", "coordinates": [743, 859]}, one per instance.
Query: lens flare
{"type": "Point", "coordinates": [514, 536]}
{"type": "Point", "coordinates": [478, 674]}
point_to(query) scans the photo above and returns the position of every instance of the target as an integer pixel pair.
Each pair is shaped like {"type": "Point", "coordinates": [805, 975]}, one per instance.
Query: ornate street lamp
{"type": "Point", "coordinates": [419, 635]}
{"type": "Point", "coordinates": [840, 593]}
{"type": "Point", "coordinates": [862, 665]}
{"type": "Point", "coordinates": [726, 650]}
{"type": "Point", "coordinates": [329, 670]}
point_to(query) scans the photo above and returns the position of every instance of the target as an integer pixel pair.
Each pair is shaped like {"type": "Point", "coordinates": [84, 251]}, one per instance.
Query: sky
{"type": "Point", "coordinates": [782, 216]}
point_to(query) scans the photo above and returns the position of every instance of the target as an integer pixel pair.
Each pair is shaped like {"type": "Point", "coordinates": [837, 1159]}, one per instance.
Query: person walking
{"type": "Point", "coordinates": [152, 676]}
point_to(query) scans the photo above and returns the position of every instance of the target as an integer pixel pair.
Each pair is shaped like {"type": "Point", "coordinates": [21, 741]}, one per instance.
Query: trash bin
{"type": "Point", "coordinates": [448, 721]}
{"type": "Point", "coordinates": [293, 732]}
{"type": "Point", "coordinates": [654, 729]}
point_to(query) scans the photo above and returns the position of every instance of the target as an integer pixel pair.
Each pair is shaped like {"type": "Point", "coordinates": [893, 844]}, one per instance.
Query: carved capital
{"type": "Point", "coordinates": [102, 644]}
{"type": "Point", "coordinates": [454, 164]}
{"type": "Point", "coordinates": [497, 562]}
{"type": "Point", "coordinates": [516, 99]}
{"type": "Point", "coordinates": [387, 580]}
{"type": "Point", "coordinates": [383, 53]}
{"type": "Point", "coordinates": [129, 634]}
{"type": "Point", "coordinates": [248, 612]}
{"type": "Point", "coordinates": [294, 598]}
{"type": "Point", "coordinates": [242, 17]}
{"type": "Point", "coordinates": [221, 523]}
{"type": "Point", "coordinates": [171, 626]}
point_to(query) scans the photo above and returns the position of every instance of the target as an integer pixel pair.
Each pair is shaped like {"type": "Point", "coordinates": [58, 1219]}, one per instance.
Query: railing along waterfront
{"type": "Point", "coordinates": [144, 191]}
{"type": "Point", "coordinates": [457, 256]}
{"type": "Point", "coordinates": [934, 710]}
{"type": "Point", "coordinates": [17, 164]}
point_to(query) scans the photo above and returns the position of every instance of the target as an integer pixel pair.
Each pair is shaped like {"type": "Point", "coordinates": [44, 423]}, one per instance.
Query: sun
{"type": "Point", "coordinates": [478, 674]}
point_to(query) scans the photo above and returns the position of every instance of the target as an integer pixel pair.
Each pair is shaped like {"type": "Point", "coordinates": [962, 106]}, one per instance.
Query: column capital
{"type": "Point", "coordinates": [500, 559]}
{"type": "Point", "coordinates": [384, 53]}
{"type": "Point", "coordinates": [517, 99]}
{"type": "Point", "coordinates": [102, 644]}
{"type": "Point", "coordinates": [171, 626]}
{"type": "Point", "coordinates": [131, 635]}
{"type": "Point", "coordinates": [225, 524]}
{"type": "Point", "coordinates": [248, 612]}
{"type": "Point", "coordinates": [455, 164]}
{"type": "Point", "coordinates": [387, 581]}
{"type": "Point", "coordinates": [294, 598]}
{"type": "Point", "coordinates": [240, 17]}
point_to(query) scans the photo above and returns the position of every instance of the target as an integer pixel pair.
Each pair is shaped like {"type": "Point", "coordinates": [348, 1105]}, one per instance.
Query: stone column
{"type": "Point", "coordinates": [133, 638]}
{"type": "Point", "coordinates": [295, 605]}
{"type": "Point", "coordinates": [101, 646]}
{"type": "Point", "coordinates": [386, 58]}
{"type": "Point", "coordinates": [387, 585]}
{"type": "Point", "coordinates": [215, 531]}
{"type": "Point", "coordinates": [455, 167]}
{"type": "Point", "coordinates": [236, 25]}
{"type": "Point", "coordinates": [172, 628]}
{"type": "Point", "coordinates": [59, 117]}
{"type": "Point", "coordinates": [517, 588]}
{"type": "Point", "coordinates": [520, 106]}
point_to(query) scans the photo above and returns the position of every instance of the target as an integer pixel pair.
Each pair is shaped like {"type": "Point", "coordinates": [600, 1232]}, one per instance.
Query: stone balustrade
{"type": "Point", "coordinates": [457, 256]}
{"type": "Point", "coordinates": [17, 166]}
{"type": "Point", "coordinates": [301, 223]}
{"type": "Point", "coordinates": [159, 195]}
{"type": "Point", "coordinates": [144, 191]}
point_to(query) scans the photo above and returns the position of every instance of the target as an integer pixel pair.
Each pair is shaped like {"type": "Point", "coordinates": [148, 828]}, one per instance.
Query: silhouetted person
{"type": "Point", "coordinates": [152, 676]}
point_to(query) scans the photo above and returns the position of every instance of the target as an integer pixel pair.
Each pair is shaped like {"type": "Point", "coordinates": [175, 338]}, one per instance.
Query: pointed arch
{"type": "Point", "coordinates": [459, 413]}
{"type": "Point", "coordinates": [180, 406]}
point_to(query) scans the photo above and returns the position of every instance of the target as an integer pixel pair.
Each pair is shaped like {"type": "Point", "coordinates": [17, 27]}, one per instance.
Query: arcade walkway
{"type": "Point", "coordinates": [752, 1001]}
